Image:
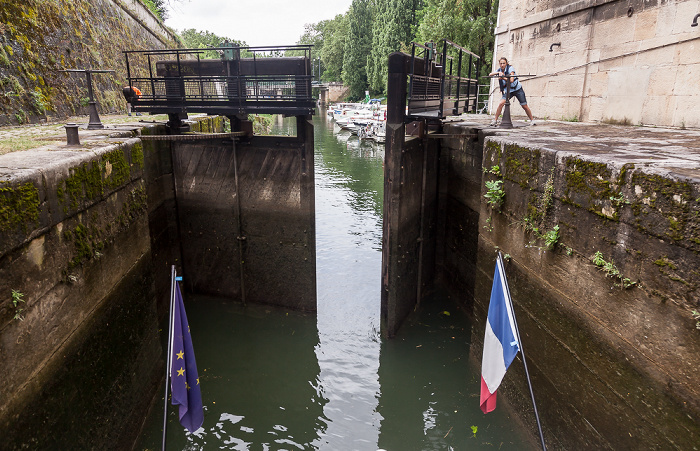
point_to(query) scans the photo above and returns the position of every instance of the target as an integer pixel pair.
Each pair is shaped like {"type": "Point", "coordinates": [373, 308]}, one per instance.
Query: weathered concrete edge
{"type": "Point", "coordinates": [662, 349]}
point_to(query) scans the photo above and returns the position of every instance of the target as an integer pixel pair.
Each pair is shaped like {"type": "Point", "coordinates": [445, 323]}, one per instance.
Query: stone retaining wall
{"type": "Point", "coordinates": [40, 38]}
{"type": "Point", "coordinates": [611, 341]}
{"type": "Point", "coordinates": [87, 236]}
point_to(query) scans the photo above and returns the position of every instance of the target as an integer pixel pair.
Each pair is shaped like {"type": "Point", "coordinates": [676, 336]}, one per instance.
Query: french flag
{"type": "Point", "coordinates": [500, 340]}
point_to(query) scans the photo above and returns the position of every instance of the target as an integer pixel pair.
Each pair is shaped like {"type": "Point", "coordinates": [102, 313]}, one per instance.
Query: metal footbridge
{"type": "Point", "coordinates": [242, 80]}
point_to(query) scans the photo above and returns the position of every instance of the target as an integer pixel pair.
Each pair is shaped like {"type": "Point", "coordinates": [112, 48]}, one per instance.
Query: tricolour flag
{"type": "Point", "coordinates": [184, 381]}
{"type": "Point", "coordinates": [500, 340]}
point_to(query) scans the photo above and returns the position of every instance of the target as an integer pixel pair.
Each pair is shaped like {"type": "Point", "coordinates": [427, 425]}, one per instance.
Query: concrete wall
{"type": "Point", "coordinates": [88, 237]}
{"type": "Point", "coordinates": [82, 351]}
{"type": "Point", "coordinates": [618, 62]}
{"type": "Point", "coordinates": [612, 368]}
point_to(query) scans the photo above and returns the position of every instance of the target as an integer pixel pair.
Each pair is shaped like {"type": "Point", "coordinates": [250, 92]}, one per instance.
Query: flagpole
{"type": "Point", "coordinates": [171, 317]}
{"type": "Point", "coordinates": [520, 344]}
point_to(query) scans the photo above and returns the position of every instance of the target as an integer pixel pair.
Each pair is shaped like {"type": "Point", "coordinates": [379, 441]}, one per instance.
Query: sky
{"type": "Point", "coordinates": [257, 22]}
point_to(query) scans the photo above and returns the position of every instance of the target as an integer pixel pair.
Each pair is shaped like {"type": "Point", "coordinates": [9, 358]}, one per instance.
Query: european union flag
{"type": "Point", "coordinates": [184, 381]}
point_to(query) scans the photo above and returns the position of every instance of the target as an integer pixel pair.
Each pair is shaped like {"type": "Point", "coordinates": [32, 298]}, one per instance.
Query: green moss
{"type": "Point", "coordinates": [90, 238]}
{"type": "Point", "coordinates": [83, 248]}
{"type": "Point", "coordinates": [85, 182]}
{"type": "Point", "coordinates": [673, 200]}
{"type": "Point", "coordinates": [137, 155]}
{"type": "Point", "coordinates": [622, 177]}
{"type": "Point", "coordinates": [665, 262]}
{"type": "Point", "coordinates": [587, 183]}
{"type": "Point", "coordinates": [120, 172]}
{"type": "Point", "coordinates": [19, 206]}
{"type": "Point", "coordinates": [521, 165]}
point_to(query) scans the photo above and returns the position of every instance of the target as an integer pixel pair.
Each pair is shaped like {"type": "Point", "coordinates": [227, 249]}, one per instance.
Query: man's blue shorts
{"type": "Point", "coordinates": [519, 94]}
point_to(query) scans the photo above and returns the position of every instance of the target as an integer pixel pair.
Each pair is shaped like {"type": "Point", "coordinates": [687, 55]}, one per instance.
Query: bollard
{"type": "Point", "coordinates": [72, 134]}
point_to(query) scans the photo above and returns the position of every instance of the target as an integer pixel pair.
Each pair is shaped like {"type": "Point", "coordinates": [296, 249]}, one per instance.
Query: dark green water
{"type": "Point", "coordinates": [274, 380]}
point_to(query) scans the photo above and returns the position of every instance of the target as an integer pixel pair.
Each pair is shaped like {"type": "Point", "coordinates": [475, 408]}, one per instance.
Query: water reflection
{"type": "Point", "coordinates": [349, 184]}
{"type": "Point", "coordinates": [282, 380]}
{"type": "Point", "coordinates": [260, 380]}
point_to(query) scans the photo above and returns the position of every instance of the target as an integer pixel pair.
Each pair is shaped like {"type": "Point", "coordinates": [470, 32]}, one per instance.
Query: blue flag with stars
{"type": "Point", "coordinates": [184, 381]}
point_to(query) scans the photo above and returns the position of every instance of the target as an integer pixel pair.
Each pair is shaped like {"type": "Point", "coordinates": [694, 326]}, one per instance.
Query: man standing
{"type": "Point", "coordinates": [516, 89]}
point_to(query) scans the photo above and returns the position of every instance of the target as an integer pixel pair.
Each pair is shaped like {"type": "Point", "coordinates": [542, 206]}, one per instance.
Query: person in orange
{"type": "Point", "coordinates": [131, 93]}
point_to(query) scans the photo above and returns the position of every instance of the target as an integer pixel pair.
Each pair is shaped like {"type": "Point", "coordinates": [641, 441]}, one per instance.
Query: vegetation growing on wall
{"type": "Point", "coordinates": [93, 233]}
{"type": "Point", "coordinates": [40, 38]}
{"type": "Point", "coordinates": [19, 205]}
{"type": "Point", "coordinates": [610, 270]}
{"type": "Point", "coordinates": [157, 7]}
{"type": "Point", "coordinates": [88, 181]}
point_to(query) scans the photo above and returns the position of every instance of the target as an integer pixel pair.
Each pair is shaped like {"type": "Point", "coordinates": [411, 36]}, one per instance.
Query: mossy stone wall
{"type": "Point", "coordinates": [40, 38]}
{"type": "Point", "coordinates": [612, 367]}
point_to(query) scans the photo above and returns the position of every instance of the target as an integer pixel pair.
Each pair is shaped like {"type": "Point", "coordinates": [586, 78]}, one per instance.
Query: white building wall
{"type": "Point", "coordinates": [633, 61]}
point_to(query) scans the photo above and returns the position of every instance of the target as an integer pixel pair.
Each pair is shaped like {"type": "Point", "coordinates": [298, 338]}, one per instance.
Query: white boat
{"type": "Point", "coordinates": [374, 130]}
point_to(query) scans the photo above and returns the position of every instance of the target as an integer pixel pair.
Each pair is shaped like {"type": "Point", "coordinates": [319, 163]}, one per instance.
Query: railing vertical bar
{"type": "Point", "coordinates": [150, 72]}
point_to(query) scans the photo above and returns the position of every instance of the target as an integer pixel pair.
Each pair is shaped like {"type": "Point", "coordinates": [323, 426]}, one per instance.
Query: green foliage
{"type": "Point", "coordinates": [488, 226]}
{"type": "Point", "coordinates": [610, 270]}
{"type": "Point", "coordinates": [474, 430]}
{"type": "Point", "coordinates": [356, 47]}
{"type": "Point", "coordinates": [21, 116]}
{"type": "Point", "coordinates": [696, 317]}
{"type": "Point", "coordinates": [16, 300]}
{"type": "Point", "coordinates": [469, 23]}
{"type": "Point", "coordinates": [551, 238]}
{"type": "Point", "coordinates": [392, 29]}
{"type": "Point", "coordinates": [39, 101]}
{"type": "Point", "coordinates": [194, 39]}
{"type": "Point", "coordinates": [495, 170]}
{"type": "Point", "coordinates": [619, 200]}
{"type": "Point", "coordinates": [494, 194]}
{"type": "Point", "coordinates": [335, 33]}
{"type": "Point", "coordinates": [573, 118]}
{"type": "Point", "coordinates": [262, 124]}
{"type": "Point", "coordinates": [157, 7]}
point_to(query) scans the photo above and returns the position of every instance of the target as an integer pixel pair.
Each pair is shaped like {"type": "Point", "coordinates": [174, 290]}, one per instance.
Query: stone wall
{"type": "Point", "coordinates": [40, 38]}
{"type": "Point", "coordinates": [617, 62]}
{"type": "Point", "coordinates": [87, 237]}
{"type": "Point", "coordinates": [337, 92]}
{"type": "Point", "coordinates": [610, 341]}
{"type": "Point", "coordinates": [75, 243]}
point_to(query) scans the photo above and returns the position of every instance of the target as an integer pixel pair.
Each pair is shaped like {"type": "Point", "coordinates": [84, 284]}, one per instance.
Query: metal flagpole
{"type": "Point", "coordinates": [173, 277]}
{"type": "Point", "coordinates": [520, 344]}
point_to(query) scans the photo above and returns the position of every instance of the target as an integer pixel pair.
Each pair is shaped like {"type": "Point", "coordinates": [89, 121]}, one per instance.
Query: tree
{"type": "Point", "coordinates": [356, 48]}
{"type": "Point", "coordinates": [157, 7]}
{"type": "Point", "coordinates": [469, 23]}
{"type": "Point", "coordinates": [194, 39]}
{"type": "Point", "coordinates": [334, 37]}
{"type": "Point", "coordinates": [394, 26]}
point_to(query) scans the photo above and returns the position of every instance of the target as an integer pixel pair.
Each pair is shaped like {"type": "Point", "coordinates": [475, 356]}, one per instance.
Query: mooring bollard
{"type": "Point", "coordinates": [72, 134]}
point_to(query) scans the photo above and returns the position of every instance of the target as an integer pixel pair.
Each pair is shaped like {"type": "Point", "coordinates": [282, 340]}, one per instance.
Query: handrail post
{"type": "Point", "coordinates": [459, 82]}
